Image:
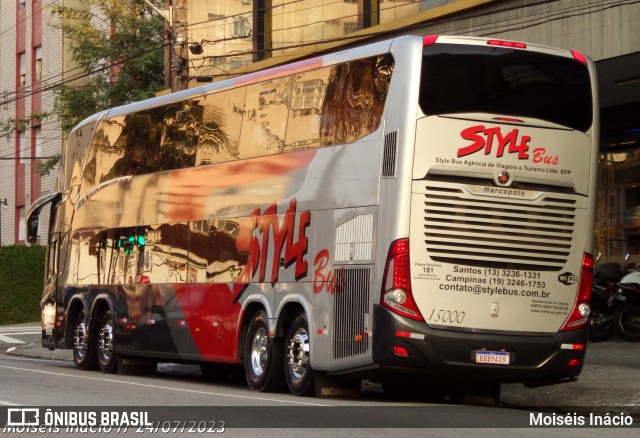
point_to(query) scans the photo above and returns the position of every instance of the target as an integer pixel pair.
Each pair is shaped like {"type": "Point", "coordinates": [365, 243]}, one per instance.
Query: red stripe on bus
{"type": "Point", "coordinates": [190, 188]}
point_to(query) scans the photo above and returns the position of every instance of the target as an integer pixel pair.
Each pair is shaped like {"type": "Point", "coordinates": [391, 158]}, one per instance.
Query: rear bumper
{"type": "Point", "coordinates": [448, 357]}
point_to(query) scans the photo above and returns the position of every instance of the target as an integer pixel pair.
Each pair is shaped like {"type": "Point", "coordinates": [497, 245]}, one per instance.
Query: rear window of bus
{"type": "Point", "coordinates": [504, 81]}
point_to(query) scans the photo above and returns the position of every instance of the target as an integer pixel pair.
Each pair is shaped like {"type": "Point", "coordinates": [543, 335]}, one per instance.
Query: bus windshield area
{"type": "Point", "coordinates": [504, 81]}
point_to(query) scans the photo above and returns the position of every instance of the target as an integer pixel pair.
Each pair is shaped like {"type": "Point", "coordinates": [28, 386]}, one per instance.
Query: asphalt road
{"type": "Point", "coordinates": [609, 379]}
{"type": "Point", "coordinates": [47, 383]}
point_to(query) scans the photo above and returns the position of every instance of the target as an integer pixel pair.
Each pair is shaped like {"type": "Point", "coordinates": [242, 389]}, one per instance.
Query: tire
{"type": "Point", "coordinates": [628, 324]}
{"type": "Point", "coordinates": [600, 331]}
{"type": "Point", "coordinates": [297, 369]}
{"type": "Point", "coordinates": [262, 357]}
{"type": "Point", "coordinates": [84, 345]}
{"type": "Point", "coordinates": [107, 358]}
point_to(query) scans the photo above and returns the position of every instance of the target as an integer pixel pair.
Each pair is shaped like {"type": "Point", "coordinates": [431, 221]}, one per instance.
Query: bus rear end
{"type": "Point", "coordinates": [493, 283]}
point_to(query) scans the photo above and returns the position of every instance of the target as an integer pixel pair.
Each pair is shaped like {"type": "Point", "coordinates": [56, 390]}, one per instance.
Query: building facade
{"type": "Point", "coordinates": [30, 65]}
{"type": "Point", "coordinates": [34, 61]}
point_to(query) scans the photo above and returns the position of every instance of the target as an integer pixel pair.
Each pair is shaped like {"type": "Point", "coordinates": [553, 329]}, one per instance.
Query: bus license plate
{"type": "Point", "coordinates": [492, 357]}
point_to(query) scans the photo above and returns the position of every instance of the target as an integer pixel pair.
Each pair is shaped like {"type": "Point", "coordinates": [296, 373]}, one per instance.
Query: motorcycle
{"type": "Point", "coordinates": [604, 313]}
{"type": "Point", "coordinates": [605, 301]}
{"type": "Point", "coordinates": [628, 318]}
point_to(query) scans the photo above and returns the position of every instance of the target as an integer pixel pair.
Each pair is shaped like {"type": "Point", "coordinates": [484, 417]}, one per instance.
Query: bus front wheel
{"type": "Point", "coordinates": [297, 368]}
{"type": "Point", "coordinates": [262, 356]}
{"type": "Point", "coordinates": [107, 358]}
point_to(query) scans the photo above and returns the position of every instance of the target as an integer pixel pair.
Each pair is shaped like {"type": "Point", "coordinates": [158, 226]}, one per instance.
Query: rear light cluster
{"type": "Point", "coordinates": [429, 39]}
{"type": "Point", "coordinates": [581, 310]}
{"type": "Point", "coordinates": [503, 43]}
{"type": "Point", "coordinates": [579, 57]}
{"type": "Point", "coordinates": [396, 293]}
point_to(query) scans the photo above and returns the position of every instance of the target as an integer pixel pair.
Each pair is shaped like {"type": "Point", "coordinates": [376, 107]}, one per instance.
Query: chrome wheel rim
{"type": "Point", "coordinates": [259, 352]}
{"type": "Point", "coordinates": [80, 341]}
{"type": "Point", "coordinates": [105, 342]}
{"type": "Point", "coordinates": [298, 354]}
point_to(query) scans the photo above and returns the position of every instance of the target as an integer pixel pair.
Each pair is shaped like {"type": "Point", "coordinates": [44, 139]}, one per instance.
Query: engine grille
{"type": "Point", "coordinates": [464, 228]}
{"type": "Point", "coordinates": [351, 310]}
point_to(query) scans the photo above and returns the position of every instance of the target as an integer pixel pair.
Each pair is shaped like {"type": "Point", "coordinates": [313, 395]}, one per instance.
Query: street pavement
{"type": "Point", "coordinates": [610, 379]}
{"type": "Point", "coordinates": [14, 334]}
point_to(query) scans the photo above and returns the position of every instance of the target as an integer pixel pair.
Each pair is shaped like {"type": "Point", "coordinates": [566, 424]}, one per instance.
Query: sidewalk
{"type": "Point", "coordinates": [610, 381]}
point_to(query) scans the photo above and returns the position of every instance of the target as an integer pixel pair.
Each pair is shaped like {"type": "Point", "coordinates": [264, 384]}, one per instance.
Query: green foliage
{"type": "Point", "coordinates": [11, 125]}
{"type": "Point", "coordinates": [48, 165]}
{"type": "Point", "coordinates": [120, 46]}
{"type": "Point", "coordinates": [21, 283]}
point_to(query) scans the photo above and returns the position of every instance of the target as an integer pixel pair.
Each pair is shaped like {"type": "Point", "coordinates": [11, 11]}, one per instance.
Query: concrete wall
{"type": "Point", "coordinates": [601, 29]}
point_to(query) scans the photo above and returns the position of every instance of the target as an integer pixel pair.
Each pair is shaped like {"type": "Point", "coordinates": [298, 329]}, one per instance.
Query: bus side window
{"type": "Point", "coordinates": [221, 124]}
{"type": "Point", "coordinates": [180, 132]}
{"type": "Point", "coordinates": [138, 157]}
{"type": "Point", "coordinates": [306, 100]}
{"type": "Point", "coordinates": [355, 98]}
{"type": "Point", "coordinates": [265, 118]}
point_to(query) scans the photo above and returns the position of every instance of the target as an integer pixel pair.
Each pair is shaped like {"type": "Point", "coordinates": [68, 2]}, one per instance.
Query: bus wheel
{"type": "Point", "coordinates": [262, 356]}
{"type": "Point", "coordinates": [297, 370]}
{"type": "Point", "coordinates": [107, 359]}
{"type": "Point", "coordinates": [84, 349]}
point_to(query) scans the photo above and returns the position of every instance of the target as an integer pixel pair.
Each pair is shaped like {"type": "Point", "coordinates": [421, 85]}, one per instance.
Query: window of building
{"type": "Point", "coordinates": [38, 66]}
{"type": "Point", "coordinates": [24, 146]}
{"type": "Point", "coordinates": [38, 136]}
{"type": "Point", "coordinates": [22, 66]}
{"type": "Point", "coordinates": [21, 224]}
{"type": "Point", "coordinates": [350, 27]}
{"type": "Point", "coordinates": [241, 27]}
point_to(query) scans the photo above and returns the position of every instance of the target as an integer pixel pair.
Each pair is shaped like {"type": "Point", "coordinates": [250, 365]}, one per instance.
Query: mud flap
{"type": "Point", "coordinates": [336, 387]}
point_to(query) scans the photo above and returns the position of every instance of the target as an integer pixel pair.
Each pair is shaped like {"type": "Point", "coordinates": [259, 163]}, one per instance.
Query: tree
{"type": "Point", "coordinates": [118, 44]}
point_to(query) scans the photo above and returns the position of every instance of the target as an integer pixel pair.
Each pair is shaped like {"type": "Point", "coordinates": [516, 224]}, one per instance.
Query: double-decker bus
{"type": "Point", "coordinates": [415, 212]}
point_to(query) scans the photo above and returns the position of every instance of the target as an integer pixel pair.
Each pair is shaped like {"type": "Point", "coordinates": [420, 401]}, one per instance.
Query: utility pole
{"type": "Point", "coordinates": [176, 55]}
{"type": "Point", "coordinates": [179, 43]}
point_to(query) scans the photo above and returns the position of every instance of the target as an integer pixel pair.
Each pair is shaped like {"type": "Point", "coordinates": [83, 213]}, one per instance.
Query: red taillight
{"type": "Point", "coordinates": [508, 119]}
{"type": "Point", "coordinates": [579, 57]}
{"type": "Point", "coordinates": [503, 43]}
{"type": "Point", "coordinates": [429, 39]}
{"type": "Point", "coordinates": [396, 285]}
{"type": "Point", "coordinates": [400, 351]}
{"type": "Point", "coordinates": [581, 309]}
